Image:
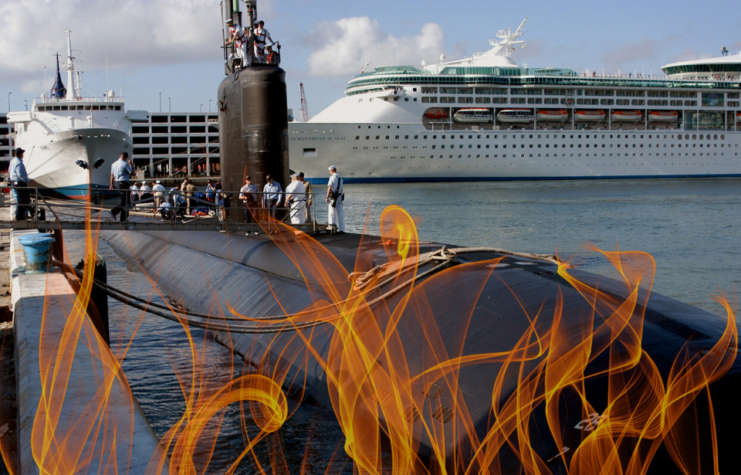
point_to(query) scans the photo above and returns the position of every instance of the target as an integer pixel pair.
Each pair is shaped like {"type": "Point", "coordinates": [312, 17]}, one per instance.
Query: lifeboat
{"type": "Point", "coordinates": [559, 115]}
{"type": "Point", "coordinates": [515, 116]}
{"type": "Point", "coordinates": [473, 115]}
{"type": "Point", "coordinates": [663, 116]}
{"type": "Point", "coordinates": [438, 114]}
{"type": "Point", "coordinates": [627, 116]}
{"type": "Point", "coordinates": [590, 116]}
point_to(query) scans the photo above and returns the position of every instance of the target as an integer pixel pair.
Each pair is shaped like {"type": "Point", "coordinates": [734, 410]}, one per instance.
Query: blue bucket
{"type": "Point", "coordinates": [36, 250]}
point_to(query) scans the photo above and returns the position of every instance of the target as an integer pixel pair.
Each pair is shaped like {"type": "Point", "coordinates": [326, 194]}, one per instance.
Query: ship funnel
{"type": "Point", "coordinates": [58, 91]}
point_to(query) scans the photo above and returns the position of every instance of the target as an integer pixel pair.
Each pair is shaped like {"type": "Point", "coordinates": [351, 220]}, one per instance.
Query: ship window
{"type": "Point", "coordinates": [387, 137]}
{"type": "Point", "coordinates": [357, 137]}
{"type": "Point", "coordinates": [64, 108]}
{"type": "Point", "coordinates": [434, 136]}
{"type": "Point", "coordinates": [95, 108]}
{"type": "Point", "coordinates": [406, 137]}
{"type": "Point", "coordinates": [434, 146]}
{"type": "Point", "coordinates": [397, 137]}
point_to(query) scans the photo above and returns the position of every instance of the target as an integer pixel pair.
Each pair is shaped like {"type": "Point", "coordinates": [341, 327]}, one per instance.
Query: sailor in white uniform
{"type": "Point", "coordinates": [236, 36]}
{"type": "Point", "coordinates": [134, 193]}
{"type": "Point", "coordinates": [159, 192]}
{"type": "Point", "coordinates": [261, 37]}
{"type": "Point", "coordinates": [335, 197]}
{"type": "Point", "coordinates": [296, 195]}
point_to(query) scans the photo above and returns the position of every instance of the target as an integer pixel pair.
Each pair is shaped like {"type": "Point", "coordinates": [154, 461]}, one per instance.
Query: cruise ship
{"type": "Point", "coordinates": [71, 140]}
{"type": "Point", "coordinates": [486, 118]}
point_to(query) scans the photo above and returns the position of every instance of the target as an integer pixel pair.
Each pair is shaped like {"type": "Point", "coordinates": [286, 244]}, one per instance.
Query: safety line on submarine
{"type": "Point", "coordinates": [361, 280]}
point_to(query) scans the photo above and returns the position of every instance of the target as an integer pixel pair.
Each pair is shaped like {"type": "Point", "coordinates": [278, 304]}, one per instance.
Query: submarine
{"type": "Point", "coordinates": [451, 359]}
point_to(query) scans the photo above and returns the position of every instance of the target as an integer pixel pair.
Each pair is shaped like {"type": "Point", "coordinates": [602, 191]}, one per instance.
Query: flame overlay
{"type": "Point", "coordinates": [573, 389]}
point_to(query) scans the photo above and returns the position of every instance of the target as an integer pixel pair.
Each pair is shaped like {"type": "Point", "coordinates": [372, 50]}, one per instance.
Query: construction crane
{"type": "Point", "coordinates": [304, 107]}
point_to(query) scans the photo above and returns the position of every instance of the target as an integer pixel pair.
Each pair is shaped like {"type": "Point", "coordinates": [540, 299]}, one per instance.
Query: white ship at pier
{"type": "Point", "coordinates": [65, 132]}
{"type": "Point", "coordinates": [486, 118]}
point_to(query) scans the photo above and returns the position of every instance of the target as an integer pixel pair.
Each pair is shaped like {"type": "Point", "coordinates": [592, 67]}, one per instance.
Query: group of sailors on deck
{"type": "Point", "coordinates": [263, 53]}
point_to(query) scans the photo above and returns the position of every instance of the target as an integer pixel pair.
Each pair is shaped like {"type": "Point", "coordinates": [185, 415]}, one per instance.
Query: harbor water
{"type": "Point", "coordinates": [691, 227]}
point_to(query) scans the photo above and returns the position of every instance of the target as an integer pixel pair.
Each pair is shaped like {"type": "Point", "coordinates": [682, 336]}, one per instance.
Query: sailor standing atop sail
{"type": "Point", "coordinates": [335, 197]}
{"type": "Point", "coordinates": [237, 37]}
{"type": "Point", "coordinates": [261, 36]}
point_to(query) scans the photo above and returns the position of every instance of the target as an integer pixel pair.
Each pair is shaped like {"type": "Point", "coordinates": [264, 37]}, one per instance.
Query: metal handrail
{"type": "Point", "coordinates": [221, 213]}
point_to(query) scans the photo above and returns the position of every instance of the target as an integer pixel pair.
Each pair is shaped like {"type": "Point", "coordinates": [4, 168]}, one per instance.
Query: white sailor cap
{"type": "Point", "coordinates": [229, 21]}
{"type": "Point", "coordinates": [158, 182]}
{"type": "Point", "coordinates": [332, 167]}
{"type": "Point", "coordinates": [144, 183]}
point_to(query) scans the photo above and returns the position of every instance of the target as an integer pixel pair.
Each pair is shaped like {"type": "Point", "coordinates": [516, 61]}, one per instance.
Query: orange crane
{"type": "Point", "coordinates": [304, 107]}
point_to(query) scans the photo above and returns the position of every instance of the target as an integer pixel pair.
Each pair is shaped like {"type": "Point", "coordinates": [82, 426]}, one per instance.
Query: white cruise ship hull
{"type": "Point", "coordinates": [51, 160]}
{"type": "Point", "coordinates": [507, 155]}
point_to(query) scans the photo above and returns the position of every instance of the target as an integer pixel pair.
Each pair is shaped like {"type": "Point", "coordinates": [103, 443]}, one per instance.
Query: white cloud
{"type": "Point", "coordinates": [341, 47]}
{"type": "Point", "coordinates": [130, 32]}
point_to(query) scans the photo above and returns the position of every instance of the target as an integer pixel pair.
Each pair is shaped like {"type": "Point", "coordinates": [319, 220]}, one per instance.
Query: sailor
{"type": "Point", "coordinates": [188, 189]}
{"type": "Point", "coordinates": [248, 194]}
{"type": "Point", "coordinates": [145, 192]}
{"type": "Point", "coordinates": [261, 37]}
{"type": "Point", "coordinates": [271, 197]}
{"type": "Point", "coordinates": [159, 192]}
{"type": "Point", "coordinates": [19, 179]}
{"type": "Point", "coordinates": [210, 191]}
{"type": "Point", "coordinates": [335, 197]}
{"type": "Point", "coordinates": [237, 37]}
{"type": "Point", "coordinates": [121, 172]}
{"type": "Point", "coordinates": [296, 200]}
{"type": "Point", "coordinates": [309, 196]}
{"type": "Point", "coordinates": [134, 193]}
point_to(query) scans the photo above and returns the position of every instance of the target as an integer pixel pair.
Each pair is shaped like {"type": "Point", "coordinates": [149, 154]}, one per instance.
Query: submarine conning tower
{"type": "Point", "coordinates": [253, 120]}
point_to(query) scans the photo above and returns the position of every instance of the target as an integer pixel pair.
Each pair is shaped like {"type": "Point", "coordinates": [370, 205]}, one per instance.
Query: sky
{"type": "Point", "coordinates": [171, 48]}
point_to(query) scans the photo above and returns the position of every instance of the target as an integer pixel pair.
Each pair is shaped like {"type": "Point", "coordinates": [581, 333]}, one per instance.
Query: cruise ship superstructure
{"type": "Point", "coordinates": [486, 118]}
{"type": "Point", "coordinates": [71, 140]}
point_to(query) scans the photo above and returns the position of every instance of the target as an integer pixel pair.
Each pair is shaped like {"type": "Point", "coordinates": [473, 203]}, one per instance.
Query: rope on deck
{"type": "Point", "coordinates": [361, 281]}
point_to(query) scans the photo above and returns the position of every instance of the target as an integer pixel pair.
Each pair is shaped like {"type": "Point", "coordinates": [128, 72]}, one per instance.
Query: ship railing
{"type": "Point", "coordinates": [50, 100]}
{"type": "Point", "coordinates": [170, 210]}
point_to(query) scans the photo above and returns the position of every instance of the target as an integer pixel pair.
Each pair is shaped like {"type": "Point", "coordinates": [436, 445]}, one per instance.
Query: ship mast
{"type": "Point", "coordinates": [72, 91]}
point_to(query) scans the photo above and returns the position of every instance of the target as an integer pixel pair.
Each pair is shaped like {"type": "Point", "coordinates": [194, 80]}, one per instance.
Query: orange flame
{"type": "Point", "coordinates": [397, 380]}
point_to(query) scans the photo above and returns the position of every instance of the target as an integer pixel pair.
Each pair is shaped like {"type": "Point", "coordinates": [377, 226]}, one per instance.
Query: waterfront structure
{"type": "Point", "coordinates": [177, 144]}
{"type": "Point", "coordinates": [71, 140]}
{"type": "Point", "coordinates": [486, 118]}
{"type": "Point", "coordinates": [6, 143]}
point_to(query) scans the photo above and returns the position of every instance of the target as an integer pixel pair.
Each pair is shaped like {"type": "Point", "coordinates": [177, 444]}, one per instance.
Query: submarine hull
{"type": "Point", "coordinates": [259, 279]}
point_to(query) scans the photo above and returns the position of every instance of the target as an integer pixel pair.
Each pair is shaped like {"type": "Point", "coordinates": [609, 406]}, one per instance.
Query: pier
{"type": "Point", "coordinates": [61, 365]}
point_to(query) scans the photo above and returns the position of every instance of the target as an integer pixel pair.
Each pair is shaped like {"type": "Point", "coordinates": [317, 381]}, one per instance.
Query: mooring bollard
{"type": "Point", "coordinates": [36, 251]}
{"type": "Point", "coordinates": [97, 308]}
